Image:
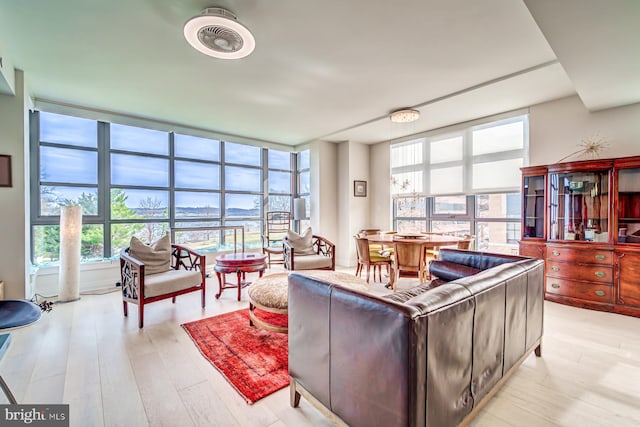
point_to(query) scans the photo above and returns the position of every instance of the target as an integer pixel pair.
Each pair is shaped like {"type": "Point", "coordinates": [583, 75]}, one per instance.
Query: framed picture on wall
{"type": "Point", "coordinates": [5, 170]}
{"type": "Point", "coordinates": [360, 188]}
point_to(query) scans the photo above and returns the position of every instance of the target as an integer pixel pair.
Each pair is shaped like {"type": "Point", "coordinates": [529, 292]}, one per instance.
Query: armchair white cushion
{"type": "Point", "coordinates": [155, 256]}
{"type": "Point", "coordinates": [313, 262]}
{"type": "Point", "coordinates": [170, 281]}
{"type": "Point", "coordinates": [301, 243]}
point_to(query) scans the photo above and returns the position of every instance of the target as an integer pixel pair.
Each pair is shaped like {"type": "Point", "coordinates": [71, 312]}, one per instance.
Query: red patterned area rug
{"type": "Point", "coordinates": [253, 360]}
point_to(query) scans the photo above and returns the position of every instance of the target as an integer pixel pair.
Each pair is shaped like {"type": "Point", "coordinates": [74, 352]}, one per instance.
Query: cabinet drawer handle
{"type": "Point", "coordinates": [600, 273]}
{"type": "Point", "coordinates": [555, 268]}
{"type": "Point", "coordinates": [600, 257]}
{"type": "Point", "coordinates": [555, 253]}
{"type": "Point", "coordinates": [600, 293]}
{"type": "Point", "coordinates": [555, 286]}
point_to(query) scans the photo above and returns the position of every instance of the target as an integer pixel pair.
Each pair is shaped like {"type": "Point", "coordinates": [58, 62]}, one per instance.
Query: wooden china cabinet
{"type": "Point", "coordinates": [583, 219]}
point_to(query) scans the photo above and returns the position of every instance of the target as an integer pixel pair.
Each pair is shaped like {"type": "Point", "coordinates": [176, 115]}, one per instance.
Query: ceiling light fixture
{"type": "Point", "coordinates": [216, 32]}
{"type": "Point", "coordinates": [406, 115]}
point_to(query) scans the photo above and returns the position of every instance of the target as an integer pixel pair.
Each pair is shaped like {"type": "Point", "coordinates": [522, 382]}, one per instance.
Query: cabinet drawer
{"type": "Point", "coordinates": [584, 256]}
{"type": "Point", "coordinates": [590, 273]}
{"type": "Point", "coordinates": [585, 291]}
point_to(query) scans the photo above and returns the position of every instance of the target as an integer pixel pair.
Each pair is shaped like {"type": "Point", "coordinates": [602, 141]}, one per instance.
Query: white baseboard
{"type": "Point", "coordinates": [93, 276]}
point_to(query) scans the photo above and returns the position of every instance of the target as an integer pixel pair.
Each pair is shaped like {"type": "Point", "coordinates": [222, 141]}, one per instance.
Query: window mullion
{"type": "Point", "coordinates": [172, 182]}
{"type": "Point", "coordinates": [104, 184]}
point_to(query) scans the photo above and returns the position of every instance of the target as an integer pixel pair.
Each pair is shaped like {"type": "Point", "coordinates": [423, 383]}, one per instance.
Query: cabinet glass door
{"type": "Point", "coordinates": [579, 206]}
{"type": "Point", "coordinates": [533, 207]}
{"type": "Point", "coordinates": [628, 208]}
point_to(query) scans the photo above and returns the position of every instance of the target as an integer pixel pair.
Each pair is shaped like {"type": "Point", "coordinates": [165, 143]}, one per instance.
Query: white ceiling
{"type": "Point", "coordinates": [329, 70]}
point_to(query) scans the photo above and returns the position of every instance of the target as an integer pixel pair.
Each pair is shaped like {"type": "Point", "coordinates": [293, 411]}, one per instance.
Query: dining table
{"type": "Point", "coordinates": [429, 240]}
{"type": "Point", "coordinates": [426, 240]}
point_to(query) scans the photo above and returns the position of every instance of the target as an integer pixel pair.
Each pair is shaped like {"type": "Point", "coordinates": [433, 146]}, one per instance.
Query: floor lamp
{"type": "Point", "coordinates": [299, 211]}
{"type": "Point", "coordinates": [70, 239]}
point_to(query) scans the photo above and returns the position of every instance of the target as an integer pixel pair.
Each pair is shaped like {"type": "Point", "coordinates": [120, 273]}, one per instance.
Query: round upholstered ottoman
{"type": "Point", "coordinates": [345, 280]}
{"type": "Point", "coordinates": [269, 293]}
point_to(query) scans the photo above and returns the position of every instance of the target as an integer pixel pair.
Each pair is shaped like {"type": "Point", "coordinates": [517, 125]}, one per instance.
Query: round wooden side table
{"type": "Point", "coordinates": [240, 264]}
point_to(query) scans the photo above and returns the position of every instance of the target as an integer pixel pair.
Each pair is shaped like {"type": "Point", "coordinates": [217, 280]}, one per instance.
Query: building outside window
{"type": "Point", "coordinates": [136, 181]}
{"type": "Point", "coordinates": [462, 182]}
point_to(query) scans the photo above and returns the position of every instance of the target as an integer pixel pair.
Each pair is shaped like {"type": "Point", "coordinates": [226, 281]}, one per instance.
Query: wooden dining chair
{"type": "Point", "coordinates": [409, 260]}
{"type": "Point", "coordinates": [373, 247]}
{"type": "Point", "coordinates": [277, 223]}
{"type": "Point", "coordinates": [369, 231]}
{"type": "Point", "coordinates": [368, 258]}
{"type": "Point", "coordinates": [467, 242]}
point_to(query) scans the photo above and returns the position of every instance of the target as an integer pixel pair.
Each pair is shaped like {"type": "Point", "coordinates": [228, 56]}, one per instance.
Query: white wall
{"type": "Point", "coordinates": [353, 212]}
{"type": "Point", "coordinates": [93, 276]}
{"type": "Point", "coordinates": [324, 189]}
{"type": "Point", "coordinates": [558, 127]}
{"type": "Point", "coordinates": [343, 248]}
{"type": "Point", "coordinates": [14, 213]}
{"type": "Point", "coordinates": [7, 74]}
{"type": "Point", "coordinates": [380, 186]}
{"type": "Point", "coordinates": [335, 213]}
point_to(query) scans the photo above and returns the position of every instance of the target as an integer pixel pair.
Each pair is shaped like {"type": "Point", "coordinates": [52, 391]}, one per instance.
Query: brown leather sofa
{"type": "Point", "coordinates": [427, 358]}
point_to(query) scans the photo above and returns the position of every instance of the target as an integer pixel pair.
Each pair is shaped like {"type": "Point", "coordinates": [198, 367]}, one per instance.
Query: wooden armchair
{"type": "Point", "coordinates": [322, 258]}
{"type": "Point", "coordinates": [187, 274]}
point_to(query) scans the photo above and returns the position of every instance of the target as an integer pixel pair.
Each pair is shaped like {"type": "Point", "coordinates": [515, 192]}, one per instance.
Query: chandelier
{"type": "Point", "coordinates": [406, 115]}
{"type": "Point", "coordinates": [405, 184]}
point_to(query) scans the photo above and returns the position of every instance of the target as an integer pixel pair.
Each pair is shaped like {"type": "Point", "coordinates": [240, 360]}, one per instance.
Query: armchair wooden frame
{"type": "Point", "coordinates": [321, 246]}
{"type": "Point", "coordinates": [132, 278]}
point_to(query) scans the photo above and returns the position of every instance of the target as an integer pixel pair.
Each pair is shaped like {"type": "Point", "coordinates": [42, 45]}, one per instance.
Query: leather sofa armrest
{"type": "Point", "coordinates": [339, 337]}
{"type": "Point", "coordinates": [475, 259]}
{"type": "Point", "coordinates": [449, 271]}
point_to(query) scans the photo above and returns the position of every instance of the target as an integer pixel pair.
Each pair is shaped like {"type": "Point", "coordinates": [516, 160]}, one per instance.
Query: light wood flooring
{"type": "Point", "coordinates": [86, 354]}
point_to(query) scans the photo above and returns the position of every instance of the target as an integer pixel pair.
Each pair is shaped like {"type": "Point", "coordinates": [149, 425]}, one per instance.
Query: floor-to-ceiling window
{"type": "Point", "coordinates": [465, 181]}
{"type": "Point", "coordinates": [136, 181]}
{"type": "Point", "coordinates": [303, 187]}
